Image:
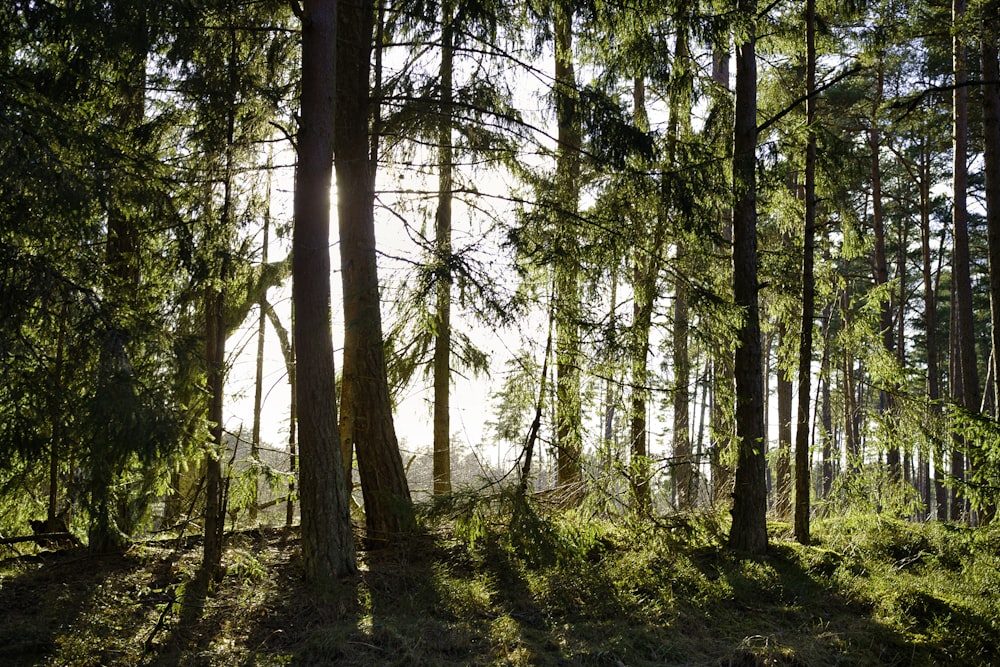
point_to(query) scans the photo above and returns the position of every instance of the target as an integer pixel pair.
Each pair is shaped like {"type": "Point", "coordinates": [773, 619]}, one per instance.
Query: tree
{"type": "Point", "coordinates": [327, 540]}
{"type": "Point", "coordinates": [442, 340]}
{"type": "Point", "coordinates": [367, 406]}
{"type": "Point", "coordinates": [749, 530]}
{"type": "Point", "coordinates": [567, 281]}
{"type": "Point", "coordinates": [802, 486]}
{"type": "Point", "coordinates": [965, 384]}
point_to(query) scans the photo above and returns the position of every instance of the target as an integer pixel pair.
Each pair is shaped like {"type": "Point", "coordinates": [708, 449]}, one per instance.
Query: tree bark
{"type": "Point", "coordinates": [442, 339]}
{"type": "Point", "coordinates": [749, 529]}
{"type": "Point", "coordinates": [366, 399]}
{"type": "Point", "coordinates": [723, 387]}
{"type": "Point", "coordinates": [567, 265]}
{"type": "Point", "coordinates": [327, 540]}
{"type": "Point", "coordinates": [991, 168]}
{"type": "Point", "coordinates": [965, 386]}
{"type": "Point", "coordinates": [880, 261]}
{"type": "Point", "coordinates": [783, 462]}
{"type": "Point", "coordinates": [802, 471]}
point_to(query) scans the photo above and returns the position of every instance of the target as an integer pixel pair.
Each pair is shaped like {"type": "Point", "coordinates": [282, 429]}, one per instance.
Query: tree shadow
{"type": "Point", "coordinates": [47, 586]}
{"type": "Point", "coordinates": [795, 615]}
{"type": "Point", "coordinates": [54, 609]}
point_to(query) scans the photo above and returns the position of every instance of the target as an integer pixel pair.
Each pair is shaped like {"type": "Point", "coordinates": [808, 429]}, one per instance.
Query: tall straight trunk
{"type": "Point", "coordinates": [723, 389]}
{"type": "Point", "coordinates": [880, 261]}
{"type": "Point", "coordinates": [293, 420]}
{"type": "Point", "coordinates": [442, 339]}
{"type": "Point", "coordinates": [991, 160]}
{"type": "Point", "coordinates": [287, 345]}
{"type": "Point", "coordinates": [932, 383]}
{"type": "Point", "coordinates": [830, 455]}
{"type": "Point", "coordinates": [802, 485]}
{"type": "Point", "coordinates": [372, 434]}
{"type": "Point", "coordinates": [965, 386]}
{"type": "Point", "coordinates": [567, 266]}
{"type": "Point", "coordinates": [679, 127]}
{"type": "Point", "coordinates": [647, 262]}
{"type": "Point", "coordinates": [58, 441]}
{"type": "Point", "coordinates": [258, 387]}
{"type": "Point", "coordinates": [327, 540]}
{"type": "Point", "coordinates": [749, 528]}
{"type": "Point", "coordinates": [609, 455]}
{"type": "Point", "coordinates": [783, 463]}
{"type": "Point", "coordinates": [683, 463]}
{"type": "Point", "coordinates": [644, 285]}
{"type": "Point", "coordinates": [215, 359]}
{"type": "Point", "coordinates": [852, 439]}
{"type": "Point", "coordinates": [216, 328]}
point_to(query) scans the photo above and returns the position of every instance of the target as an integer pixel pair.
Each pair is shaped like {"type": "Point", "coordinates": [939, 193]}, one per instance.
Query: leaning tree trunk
{"type": "Point", "coordinates": [372, 434]}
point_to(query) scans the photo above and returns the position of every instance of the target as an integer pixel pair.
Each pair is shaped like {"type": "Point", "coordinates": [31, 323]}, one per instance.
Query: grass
{"type": "Point", "coordinates": [528, 590]}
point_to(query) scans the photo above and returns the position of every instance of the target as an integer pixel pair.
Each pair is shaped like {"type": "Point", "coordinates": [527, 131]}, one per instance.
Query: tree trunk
{"type": "Point", "coordinates": [258, 387]}
{"type": "Point", "coordinates": [749, 529]}
{"type": "Point", "coordinates": [723, 388]}
{"type": "Point", "coordinates": [991, 160]}
{"type": "Point", "coordinates": [215, 360]}
{"type": "Point", "coordinates": [442, 339]}
{"type": "Point", "coordinates": [366, 399]}
{"type": "Point", "coordinates": [880, 261]}
{"type": "Point", "coordinates": [802, 472]}
{"type": "Point", "coordinates": [327, 540]}
{"type": "Point", "coordinates": [783, 463]}
{"type": "Point", "coordinates": [678, 128]}
{"type": "Point", "coordinates": [930, 331]}
{"type": "Point", "coordinates": [965, 385]}
{"type": "Point", "coordinates": [567, 266]}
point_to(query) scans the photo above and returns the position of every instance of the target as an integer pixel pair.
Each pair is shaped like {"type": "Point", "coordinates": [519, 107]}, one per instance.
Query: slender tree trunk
{"type": "Point", "coordinates": [782, 461]}
{"type": "Point", "coordinates": [216, 328]}
{"type": "Point", "coordinates": [442, 340]}
{"type": "Point", "coordinates": [682, 426]}
{"type": "Point", "coordinates": [930, 332]}
{"type": "Point", "coordinates": [723, 390]}
{"type": "Point", "coordinates": [802, 472]}
{"type": "Point", "coordinates": [327, 540]}
{"type": "Point", "coordinates": [991, 159]}
{"type": "Point", "coordinates": [965, 386]}
{"type": "Point", "coordinates": [642, 311]}
{"type": "Point", "coordinates": [881, 265]}
{"type": "Point", "coordinates": [568, 408]}
{"type": "Point", "coordinates": [679, 126]}
{"type": "Point", "coordinates": [388, 508]}
{"type": "Point", "coordinates": [830, 454]}
{"type": "Point", "coordinates": [215, 358]}
{"type": "Point", "coordinates": [749, 528]}
{"type": "Point", "coordinates": [258, 388]}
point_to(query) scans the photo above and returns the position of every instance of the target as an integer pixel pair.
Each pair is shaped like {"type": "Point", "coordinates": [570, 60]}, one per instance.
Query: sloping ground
{"type": "Point", "coordinates": [561, 593]}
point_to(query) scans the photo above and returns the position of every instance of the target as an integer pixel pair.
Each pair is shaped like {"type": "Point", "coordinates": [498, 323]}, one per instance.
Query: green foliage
{"type": "Point", "coordinates": [872, 489]}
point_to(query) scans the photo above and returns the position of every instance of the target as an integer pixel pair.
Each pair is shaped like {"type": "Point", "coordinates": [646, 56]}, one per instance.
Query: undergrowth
{"type": "Point", "coordinates": [504, 580]}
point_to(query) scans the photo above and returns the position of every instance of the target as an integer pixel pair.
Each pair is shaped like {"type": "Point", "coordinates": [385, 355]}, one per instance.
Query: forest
{"type": "Point", "coordinates": [478, 332]}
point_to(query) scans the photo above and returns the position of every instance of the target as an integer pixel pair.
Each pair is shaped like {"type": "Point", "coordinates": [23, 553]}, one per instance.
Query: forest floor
{"type": "Point", "coordinates": [552, 591]}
